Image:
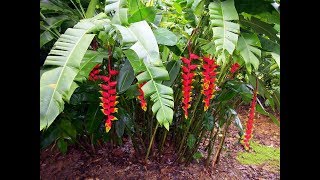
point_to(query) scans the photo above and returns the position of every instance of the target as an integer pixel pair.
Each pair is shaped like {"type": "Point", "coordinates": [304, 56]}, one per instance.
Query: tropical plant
{"type": "Point", "coordinates": [160, 49]}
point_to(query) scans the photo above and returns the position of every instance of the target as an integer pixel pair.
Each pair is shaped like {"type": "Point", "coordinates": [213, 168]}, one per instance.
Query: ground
{"type": "Point", "coordinates": [120, 163]}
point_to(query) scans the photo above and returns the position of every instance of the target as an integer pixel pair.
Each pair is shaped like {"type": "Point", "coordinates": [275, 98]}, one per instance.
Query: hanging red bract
{"type": "Point", "coordinates": [208, 78]}
{"type": "Point", "coordinates": [93, 76]}
{"type": "Point", "coordinates": [143, 102]}
{"type": "Point", "coordinates": [108, 99]}
{"type": "Point", "coordinates": [234, 67]}
{"type": "Point", "coordinates": [249, 126]}
{"type": "Point", "coordinates": [187, 79]}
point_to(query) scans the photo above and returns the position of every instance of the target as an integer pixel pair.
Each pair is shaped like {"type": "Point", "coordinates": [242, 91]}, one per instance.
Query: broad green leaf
{"type": "Point", "coordinates": [177, 7]}
{"type": "Point", "coordinates": [248, 48]}
{"type": "Point", "coordinates": [276, 57]}
{"type": "Point", "coordinates": [119, 125]}
{"type": "Point", "coordinates": [135, 61]}
{"type": "Point", "coordinates": [260, 27]}
{"type": "Point", "coordinates": [90, 59]}
{"type": "Point", "coordinates": [125, 77]}
{"type": "Point", "coordinates": [191, 141]}
{"type": "Point", "coordinates": [120, 15]}
{"type": "Point", "coordinates": [63, 146]}
{"type": "Point", "coordinates": [146, 13]}
{"type": "Point", "coordinates": [67, 129]}
{"type": "Point", "coordinates": [132, 91]}
{"type": "Point", "coordinates": [209, 48]}
{"type": "Point", "coordinates": [225, 30]}
{"type": "Point", "coordinates": [56, 21]}
{"type": "Point", "coordinates": [268, 45]}
{"type": "Point", "coordinates": [153, 71]}
{"type": "Point", "coordinates": [134, 6]}
{"type": "Point", "coordinates": [94, 117]}
{"type": "Point", "coordinates": [165, 37]}
{"type": "Point", "coordinates": [173, 68]}
{"type": "Point", "coordinates": [237, 122]}
{"type": "Point", "coordinates": [261, 110]}
{"type": "Point", "coordinates": [91, 8]}
{"type": "Point", "coordinates": [198, 155]}
{"type": "Point", "coordinates": [65, 57]}
{"type": "Point", "coordinates": [45, 37]}
{"type": "Point", "coordinates": [49, 137]}
{"type": "Point", "coordinates": [198, 7]}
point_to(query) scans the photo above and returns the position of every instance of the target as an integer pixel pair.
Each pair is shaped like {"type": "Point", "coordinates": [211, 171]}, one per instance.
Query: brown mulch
{"type": "Point", "coordinates": [121, 163]}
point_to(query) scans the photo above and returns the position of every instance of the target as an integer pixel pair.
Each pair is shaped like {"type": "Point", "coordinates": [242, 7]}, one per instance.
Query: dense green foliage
{"type": "Point", "coordinates": [144, 41]}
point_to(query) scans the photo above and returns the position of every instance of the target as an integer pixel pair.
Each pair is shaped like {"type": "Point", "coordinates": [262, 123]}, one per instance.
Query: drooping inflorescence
{"type": "Point", "coordinates": [208, 80]}
{"type": "Point", "coordinates": [187, 79]}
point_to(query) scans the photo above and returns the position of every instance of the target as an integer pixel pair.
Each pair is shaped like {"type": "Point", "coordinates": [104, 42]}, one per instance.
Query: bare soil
{"type": "Point", "coordinates": [121, 163]}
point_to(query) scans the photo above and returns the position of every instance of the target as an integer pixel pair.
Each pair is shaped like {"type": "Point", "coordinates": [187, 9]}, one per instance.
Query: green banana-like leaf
{"type": "Point", "coordinates": [225, 31]}
{"type": "Point", "coordinates": [248, 48]}
{"type": "Point", "coordinates": [90, 59]}
{"type": "Point", "coordinates": [57, 83]}
{"type": "Point", "coordinates": [260, 27]}
{"type": "Point", "coordinates": [145, 59]}
{"type": "Point", "coordinates": [121, 14]}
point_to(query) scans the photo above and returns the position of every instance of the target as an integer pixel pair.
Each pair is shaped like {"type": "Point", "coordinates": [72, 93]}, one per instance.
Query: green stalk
{"type": "Point", "coordinates": [151, 142]}
{"type": "Point", "coordinates": [188, 127]}
{"type": "Point", "coordinates": [163, 140]}
{"type": "Point", "coordinates": [42, 16]}
{"type": "Point", "coordinates": [211, 143]}
{"type": "Point", "coordinates": [217, 154]}
{"type": "Point", "coordinates": [91, 8]}
{"type": "Point", "coordinates": [189, 158]}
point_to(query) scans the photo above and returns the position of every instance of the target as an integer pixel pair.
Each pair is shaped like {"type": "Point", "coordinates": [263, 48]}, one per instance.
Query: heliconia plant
{"type": "Point", "coordinates": [125, 62]}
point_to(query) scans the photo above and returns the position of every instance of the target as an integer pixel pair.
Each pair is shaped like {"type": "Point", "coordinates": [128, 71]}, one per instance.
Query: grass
{"type": "Point", "coordinates": [261, 155]}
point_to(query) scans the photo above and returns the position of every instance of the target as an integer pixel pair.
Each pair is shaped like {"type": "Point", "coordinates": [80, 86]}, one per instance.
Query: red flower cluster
{"type": "Point", "coordinates": [234, 67]}
{"type": "Point", "coordinates": [109, 98]}
{"type": "Point", "coordinates": [143, 102]}
{"type": "Point", "coordinates": [93, 76]}
{"type": "Point", "coordinates": [187, 78]}
{"type": "Point", "coordinates": [209, 78]}
{"type": "Point", "coordinates": [249, 126]}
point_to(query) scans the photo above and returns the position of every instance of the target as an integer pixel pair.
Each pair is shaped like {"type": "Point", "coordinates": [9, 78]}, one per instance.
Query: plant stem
{"type": "Point", "coordinates": [211, 143]}
{"type": "Point", "coordinates": [163, 140]}
{"type": "Point", "coordinates": [42, 16]}
{"type": "Point", "coordinates": [187, 130]}
{"type": "Point", "coordinates": [217, 154]}
{"type": "Point", "coordinates": [151, 142]}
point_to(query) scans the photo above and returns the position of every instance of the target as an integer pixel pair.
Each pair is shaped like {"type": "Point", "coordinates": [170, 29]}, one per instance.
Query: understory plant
{"type": "Point", "coordinates": [162, 73]}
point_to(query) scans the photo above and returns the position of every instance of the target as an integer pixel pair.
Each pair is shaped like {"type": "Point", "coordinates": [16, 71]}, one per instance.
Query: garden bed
{"type": "Point", "coordinates": [121, 162]}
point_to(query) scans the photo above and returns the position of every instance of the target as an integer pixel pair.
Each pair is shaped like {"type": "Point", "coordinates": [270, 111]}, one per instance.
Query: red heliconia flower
{"type": "Point", "coordinates": [249, 126]}
{"type": "Point", "coordinates": [209, 77]}
{"type": "Point", "coordinates": [187, 79]}
{"type": "Point", "coordinates": [234, 67]}
{"type": "Point", "coordinates": [93, 76]}
{"type": "Point", "coordinates": [109, 98]}
{"type": "Point", "coordinates": [143, 102]}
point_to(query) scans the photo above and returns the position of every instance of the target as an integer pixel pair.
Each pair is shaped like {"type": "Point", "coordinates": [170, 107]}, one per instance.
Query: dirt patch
{"type": "Point", "coordinates": [121, 162]}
